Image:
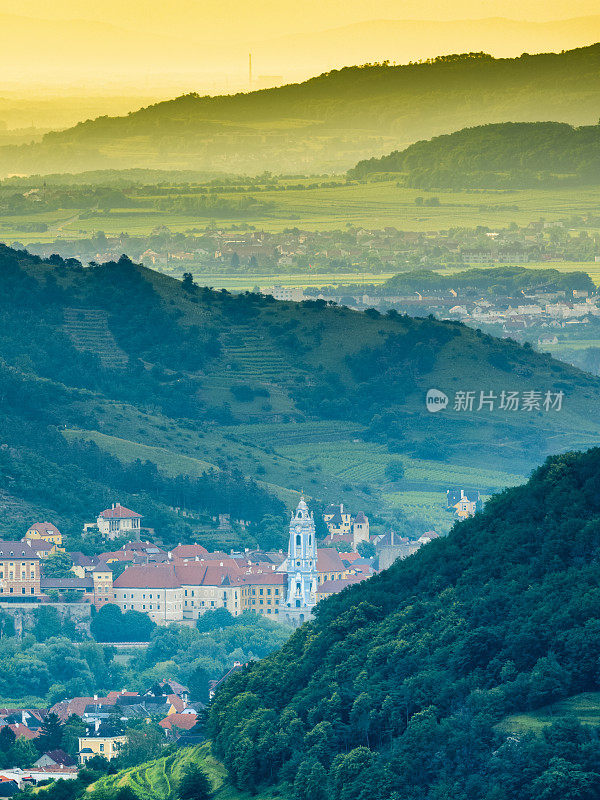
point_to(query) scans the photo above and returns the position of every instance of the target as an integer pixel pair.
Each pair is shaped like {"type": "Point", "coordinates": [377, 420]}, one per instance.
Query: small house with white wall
{"type": "Point", "coordinates": [118, 521]}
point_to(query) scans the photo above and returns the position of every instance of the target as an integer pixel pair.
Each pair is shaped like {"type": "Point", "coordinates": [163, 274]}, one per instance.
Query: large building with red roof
{"type": "Point", "coordinates": [152, 589]}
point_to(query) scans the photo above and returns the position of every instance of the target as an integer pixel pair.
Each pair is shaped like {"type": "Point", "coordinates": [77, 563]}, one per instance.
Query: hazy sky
{"type": "Point", "coordinates": [189, 43]}
{"type": "Point", "coordinates": [266, 18]}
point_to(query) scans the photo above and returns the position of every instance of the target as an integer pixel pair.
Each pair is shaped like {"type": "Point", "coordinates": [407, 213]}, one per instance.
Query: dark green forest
{"type": "Point", "coordinates": [339, 116]}
{"type": "Point", "coordinates": [504, 156]}
{"type": "Point", "coordinates": [395, 689]}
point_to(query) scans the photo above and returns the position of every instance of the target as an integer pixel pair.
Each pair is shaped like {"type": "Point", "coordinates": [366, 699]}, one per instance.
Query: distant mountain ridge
{"type": "Point", "coordinates": [404, 40]}
{"type": "Point", "coordinates": [330, 121]}
{"type": "Point", "coordinates": [125, 50]}
{"type": "Point", "coordinates": [506, 155]}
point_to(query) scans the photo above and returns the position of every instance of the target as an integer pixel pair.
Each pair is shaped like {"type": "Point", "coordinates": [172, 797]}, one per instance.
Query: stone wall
{"type": "Point", "coordinates": [24, 614]}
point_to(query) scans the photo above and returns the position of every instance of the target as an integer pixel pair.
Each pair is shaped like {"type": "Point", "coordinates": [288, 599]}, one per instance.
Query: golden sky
{"type": "Point", "coordinates": [191, 42]}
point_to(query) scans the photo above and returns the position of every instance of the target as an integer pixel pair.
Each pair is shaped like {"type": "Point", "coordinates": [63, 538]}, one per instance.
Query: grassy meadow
{"type": "Point", "coordinates": [583, 707]}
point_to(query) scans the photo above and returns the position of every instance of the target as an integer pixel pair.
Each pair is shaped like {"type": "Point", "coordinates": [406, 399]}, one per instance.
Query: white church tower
{"type": "Point", "coordinates": [301, 593]}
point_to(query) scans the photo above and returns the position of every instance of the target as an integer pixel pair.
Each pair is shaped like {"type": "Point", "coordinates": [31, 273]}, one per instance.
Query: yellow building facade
{"type": "Point", "coordinates": [108, 747]}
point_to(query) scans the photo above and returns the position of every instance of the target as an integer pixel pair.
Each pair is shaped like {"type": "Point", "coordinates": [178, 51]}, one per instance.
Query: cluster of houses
{"type": "Point", "coordinates": [169, 585]}
{"type": "Point", "coordinates": [294, 249]}
{"type": "Point", "coordinates": [105, 719]}
{"type": "Point", "coordinates": [543, 313]}
{"type": "Point", "coordinates": [175, 585]}
{"type": "Point", "coordinates": [180, 584]}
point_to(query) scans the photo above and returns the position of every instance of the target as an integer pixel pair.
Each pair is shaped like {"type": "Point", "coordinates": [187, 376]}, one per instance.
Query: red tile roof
{"type": "Point", "coordinates": [117, 555]}
{"type": "Point", "coordinates": [157, 576]}
{"type": "Point", "coordinates": [198, 573]}
{"type": "Point", "coordinates": [119, 512]}
{"type": "Point", "coordinates": [189, 551]}
{"type": "Point", "coordinates": [333, 587]}
{"type": "Point", "coordinates": [114, 695]}
{"type": "Point", "coordinates": [176, 702]}
{"type": "Point", "coordinates": [45, 529]}
{"type": "Point", "coordinates": [329, 560]}
{"type": "Point", "coordinates": [77, 705]}
{"type": "Point", "coordinates": [183, 721]}
{"type": "Point", "coordinates": [21, 730]}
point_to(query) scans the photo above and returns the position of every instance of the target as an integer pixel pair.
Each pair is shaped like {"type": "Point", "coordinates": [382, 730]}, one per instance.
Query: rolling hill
{"type": "Point", "coordinates": [120, 383]}
{"type": "Point", "coordinates": [397, 688]}
{"type": "Point", "coordinates": [328, 122]}
{"type": "Point", "coordinates": [506, 155]}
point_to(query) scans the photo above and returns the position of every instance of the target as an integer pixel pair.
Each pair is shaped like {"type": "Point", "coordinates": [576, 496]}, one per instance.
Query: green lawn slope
{"type": "Point", "coordinates": [158, 779]}
{"type": "Point", "coordinates": [585, 708]}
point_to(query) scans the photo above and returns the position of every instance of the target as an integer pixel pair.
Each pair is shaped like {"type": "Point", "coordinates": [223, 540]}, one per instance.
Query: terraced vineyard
{"type": "Point", "coordinates": [297, 434]}
{"type": "Point", "coordinates": [252, 356]}
{"type": "Point", "coordinates": [88, 330]}
{"type": "Point", "coordinates": [366, 461]}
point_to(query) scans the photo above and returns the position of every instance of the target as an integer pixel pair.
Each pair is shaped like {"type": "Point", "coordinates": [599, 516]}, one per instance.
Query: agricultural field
{"type": "Point", "coordinates": [324, 459]}
{"type": "Point", "coordinates": [372, 205]}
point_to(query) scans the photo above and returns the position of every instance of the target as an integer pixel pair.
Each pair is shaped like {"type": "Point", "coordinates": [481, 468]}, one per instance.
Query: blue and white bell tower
{"type": "Point", "coordinates": [301, 592]}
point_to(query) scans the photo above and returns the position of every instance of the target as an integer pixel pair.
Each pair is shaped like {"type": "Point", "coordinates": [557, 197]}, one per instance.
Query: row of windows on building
{"type": "Point", "coordinates": [11, 576]}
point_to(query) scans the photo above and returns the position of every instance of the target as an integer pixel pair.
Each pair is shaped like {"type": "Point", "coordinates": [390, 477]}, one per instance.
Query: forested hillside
{"type": "Point", "coordinates": [328, 122]}
{"type": "Point", "coordinates": [119, 383]}
{"type": "Point", "coordinates": [394, 691]}
{"type": "Point", "coordinates": [507, 155]}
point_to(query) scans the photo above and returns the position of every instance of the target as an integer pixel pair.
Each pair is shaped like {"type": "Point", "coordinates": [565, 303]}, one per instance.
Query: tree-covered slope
{"type": "Point", "coordinates": [395, 689]}
{"type": "Point", "coordinates": [119, 383]}
{"type": "Point", "coordinates": [506, 155]}
{"type": "Point", "coordinates": [330, 121]}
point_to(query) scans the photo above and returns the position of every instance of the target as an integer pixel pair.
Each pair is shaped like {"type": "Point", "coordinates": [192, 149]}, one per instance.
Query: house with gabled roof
{"type": "Point", "coordinates": [47, 532]}
{"type": "Point", "coordinates": [118, 521]}
{"type": "Point", "coordinates": [330, 566]}
{"type": "Point", "coordinates": [55, 758]}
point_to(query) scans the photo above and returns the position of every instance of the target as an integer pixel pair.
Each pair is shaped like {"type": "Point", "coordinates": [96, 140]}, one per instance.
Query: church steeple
{"type": "Point", "coordinates": [300, 596]}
